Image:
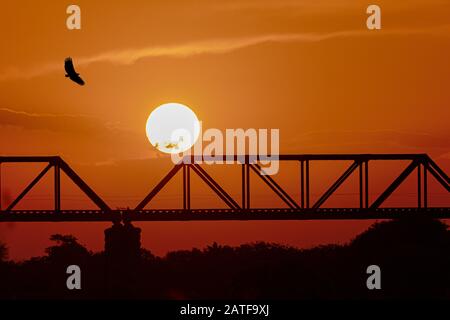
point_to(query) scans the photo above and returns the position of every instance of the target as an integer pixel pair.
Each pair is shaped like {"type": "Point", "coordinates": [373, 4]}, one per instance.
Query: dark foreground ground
{"type": "Point", "coordinates": [413, 256]}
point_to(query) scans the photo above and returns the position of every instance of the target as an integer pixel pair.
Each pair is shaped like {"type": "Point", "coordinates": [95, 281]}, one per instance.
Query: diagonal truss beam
{"type": "Point", "coordinates": [158, 187]}
{"type": "Point", "coordinates": [438, 177]}
{"type": "Point", "coordinates": [29, 187]}
{"type": "Point", "coordinates": [82, 185]}
{"type": "Point", "coordinates": [336, 185]}
{"type": "Point", "coordinates": [58, 164]}
{"type": "Point", "coordinates": [229, 201]}
{"type": "Point", "coordinates": [394, 185]}
{"type": "Point", "coordinates": [441, 172]}
{"type": "Point", "coordinates": [437, 172]}
{"type": "Point", "coordinates": [275, 187]}
{"type": "Point", "coordinates": [215, 186]}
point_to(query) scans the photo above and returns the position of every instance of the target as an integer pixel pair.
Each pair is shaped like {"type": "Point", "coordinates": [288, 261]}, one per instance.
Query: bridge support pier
{"type": "Point", "coordinates": [122, 256]}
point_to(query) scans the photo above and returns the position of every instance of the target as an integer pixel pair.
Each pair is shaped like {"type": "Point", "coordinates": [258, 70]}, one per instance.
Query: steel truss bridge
{"type": "Point", "coordinates": [241, 209]}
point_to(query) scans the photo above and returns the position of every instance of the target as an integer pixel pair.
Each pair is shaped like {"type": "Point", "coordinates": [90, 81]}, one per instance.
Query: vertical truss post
{"type": "Point", "coordinates": [366, 182]}
{"type": "Point", "coordinates": [186, 187]}
{"type": "Point", "coordinates": [425, 187]}
{"type": "Point", "coordinates": [419, 186]}
{"type": "Point", "coordinates": [247, 179]}
{"type": "Point", "coordinates": [57, 194]}
{"type": "Point", "coordinates": [244, 186]}
{"type": "Point", "coordinates": [302, 184]}
{"type": "Point", "coordinates": [363, 184]}
{"type": "Point", "coordinates": [307, 183]}
{"type": "Point", "coordinates": [361, 181]}
{"type": "Point", "coordinates": [1, 187]}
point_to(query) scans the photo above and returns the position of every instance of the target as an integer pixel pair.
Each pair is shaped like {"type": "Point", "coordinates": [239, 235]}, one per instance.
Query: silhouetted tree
{"type": "Point", "coordinates": [410, 231]}
{"type": "Point", "coordinates": [413, 255]}
{"type": "Point", "coordinates": [3, 252]}
{"type": "Point", "coordinates": [67, 248]}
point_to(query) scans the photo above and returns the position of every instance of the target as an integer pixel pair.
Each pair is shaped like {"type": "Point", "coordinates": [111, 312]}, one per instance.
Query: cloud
{"type": "Point", "coordinates": [77, 124]}
{"type": "Point", "coordinates": [221, 46]}
{"type": "Point", "coordinates": [85, 138]}
{"type": "Point", "coordinates": [214, 46]}
{"type": "Point", "coordinates": [322, 6]}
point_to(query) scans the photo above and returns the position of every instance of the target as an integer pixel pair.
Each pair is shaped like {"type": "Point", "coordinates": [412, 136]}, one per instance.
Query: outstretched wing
{"type": "Point", "coordinates": [68, 66]}
{"type": "Point", "coordinates": [78, 80]}
{"type": "Point", "coordinates": [71, 73]}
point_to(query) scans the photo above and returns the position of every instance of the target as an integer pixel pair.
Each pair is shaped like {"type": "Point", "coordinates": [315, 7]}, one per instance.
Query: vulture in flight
{"type": "Point", "coordinates": [71, 73]}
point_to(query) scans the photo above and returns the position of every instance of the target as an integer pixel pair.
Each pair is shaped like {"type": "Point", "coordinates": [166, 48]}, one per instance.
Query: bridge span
{"type": "Point", "coordinates": [242, 209]}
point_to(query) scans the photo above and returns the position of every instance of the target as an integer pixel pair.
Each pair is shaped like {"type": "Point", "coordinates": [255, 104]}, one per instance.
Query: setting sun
{"type": "Point", "coordinates": [172, 128]}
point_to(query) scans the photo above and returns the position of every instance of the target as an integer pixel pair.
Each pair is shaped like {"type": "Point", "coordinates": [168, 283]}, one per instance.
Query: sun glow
{"type": "Point", "coordinates": [172, 128]}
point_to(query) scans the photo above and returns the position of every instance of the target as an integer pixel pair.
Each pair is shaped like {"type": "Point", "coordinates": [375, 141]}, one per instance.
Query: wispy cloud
{"type": "Point", "coordinates": [66, 123]}
{"type": "Point", "coordinates": [215, 46]}
{"type": "Point", "coordinates": [85, 138]}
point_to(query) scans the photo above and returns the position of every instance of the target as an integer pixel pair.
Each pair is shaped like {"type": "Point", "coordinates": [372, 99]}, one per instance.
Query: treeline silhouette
{"type": "Point", "coordinates": [413, 255]}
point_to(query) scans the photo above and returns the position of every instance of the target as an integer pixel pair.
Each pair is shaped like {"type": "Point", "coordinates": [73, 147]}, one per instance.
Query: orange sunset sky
{"type": "Point", "coordinates": [309, 68]}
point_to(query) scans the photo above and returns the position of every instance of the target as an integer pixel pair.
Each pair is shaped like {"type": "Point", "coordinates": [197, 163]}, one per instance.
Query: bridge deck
{"type": "Point", "coordinates": [221, 214]}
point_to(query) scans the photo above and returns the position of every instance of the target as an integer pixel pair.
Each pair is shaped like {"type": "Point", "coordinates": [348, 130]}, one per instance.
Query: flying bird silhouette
{"type": "Point", "coordinates": [71, 73]}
